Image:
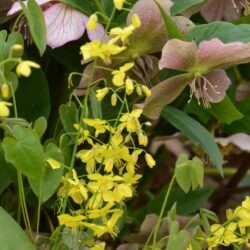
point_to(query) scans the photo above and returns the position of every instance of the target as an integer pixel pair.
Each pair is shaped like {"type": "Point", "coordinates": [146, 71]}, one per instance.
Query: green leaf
{"type": "Point", "coordinates": [183, 175]}
{"type": "Point", "coordinates": [40, 126]}
{"type": "Point", "coordinates": [227, 32]}
{"type": "Point", "coordinates": [241, 125]}
{"type": "Point", "coordinates": [69, 116]}
{"type": "Point", "coordinates": [85, 6]}
{"type": "Point", "coordinates": [195, 132]}
{"type": "Point", "coordinates": [24, 151]}
{"type": "Point", "coordinates": [187, 203]}
{"type": "Point", "coordinates": [178, 241]}
{"type": "Point", "coordinates": [6, 42]}
{"type": "Point", "coordinates": [172, 29]}
{"type": "Point", "coordinates": [180, 6]}
{"type": "Point", "coordinates": [197, 172]}
{"type": "Point", "coordinates": [11, 234]}
{"type": "Point", "coordinates": [4, 177]}
{"type": "Point", "coordinates": [37, 26]}
{"type": "Point", "coordinates": [189, 173]}
{"type": "Point", "coordinates": [50, 180]}
{"type": "Point", "coordinates": [32, 96]}
{"type": "Point", "coordinates": [225, 111]}
{"type": "Point", "coordinates": [96, 109]}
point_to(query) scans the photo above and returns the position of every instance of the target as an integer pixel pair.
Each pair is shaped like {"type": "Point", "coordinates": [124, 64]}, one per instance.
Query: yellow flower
{"type": "Point", "coordinates": [71, 221]}
{"type": "Point", "coordinates": [130, 120]}
{"type": "Point", "coordinates": [4, 110]}
{"type": "Point", "coordinates": [119, 75]}
{"type": "Point", "coordinates": [101, 93]}
{"type": "Point", "coordinates": [146, 90]}
{"type": "Point", "coordinates": [129, 86]}
{"type": "Point", "coordinates": [84, 135]}
{"type": "Point", "coordinates": [100, 246]}
{"type": "Point", "coordinates": [99, 125]}
{"type": "Point", "coordinates": [77, 191]}
{"type": "Point", "coordinates": [122, 33]}
{"type": "Point", "coordinates": [149, 159]}
{"type": "Point", "coordinates": [102, 50]}
{"type": "Point", "coordinates": [114, 99]}
{"type": "Point", "coordinates": [118, 4]}
{"type": "Point", "coordinates": [53, 163]}
{"type": "Point", "coordinates": [101, 212]}
{"type": "Point", "coordinates": [109, 227]}
{"type": "Point", "coordinates": [5, 90]}
{"type": "Point", "coordinates": [92, 22]}
{"type": "Point", "coordinates": [135, 20]}
{"type": "Point", "coordinates": [24, 68]}
{"type": "Point", "coordinates": [222, 235]}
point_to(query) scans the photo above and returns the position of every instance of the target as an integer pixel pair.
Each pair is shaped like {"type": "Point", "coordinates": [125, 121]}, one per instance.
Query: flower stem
{"type": "Point", "coordinates": [162, 211]}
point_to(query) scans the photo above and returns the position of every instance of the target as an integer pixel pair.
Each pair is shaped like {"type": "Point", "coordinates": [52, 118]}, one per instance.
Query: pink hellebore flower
{"type": "Point", "coordinates": [223, 9]}
{"type": "Point", "coordinates": [63, 23]}
{"type": "Point", "coordinates": [203, 64]}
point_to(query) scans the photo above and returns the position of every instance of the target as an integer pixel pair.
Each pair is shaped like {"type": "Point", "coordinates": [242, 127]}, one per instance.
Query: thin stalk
{"type": "Point", "coordinates": [39, 208]}
{"type": "Point", "coordinates": [162, 210]}
{"type": "Point", "coordinates": [23, 204]}
{"type": "Point", "coordinates": [20, 180]}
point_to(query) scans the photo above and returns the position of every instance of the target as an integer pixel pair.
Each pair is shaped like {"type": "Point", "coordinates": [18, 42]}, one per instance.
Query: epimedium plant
{"type": "Point", "coordinates": [74, 159]}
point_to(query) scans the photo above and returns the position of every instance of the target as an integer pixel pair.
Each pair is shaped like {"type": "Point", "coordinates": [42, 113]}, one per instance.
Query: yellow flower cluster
{"type": "Point", "coordinates": [104, 50]}
{"type": "Point", "coordinates": [236, 230]}
{"type": "Point", "coordinates": [110, 172]}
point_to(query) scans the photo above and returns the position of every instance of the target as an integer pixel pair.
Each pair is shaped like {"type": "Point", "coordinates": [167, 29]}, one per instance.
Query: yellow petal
{"type": "Point", "coordinates": [92, 22]}
{"type": "Point", "coordinates": [53, 163]}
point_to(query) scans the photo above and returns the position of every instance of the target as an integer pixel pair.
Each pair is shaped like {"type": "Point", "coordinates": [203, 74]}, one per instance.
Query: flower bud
{"type": "Point", "coordinates": [149, 159]}
{"type": "Point", "coordinates": [101, 93]}
{"type": "Point", "coordinates": [136, 22]}
{"type": "Point", "coordinates": [5, 90]}
{"type": "Point", "coordinates": [146, 90]}
{"type": "Point", "coordinates": [129, 87]}
{"type": "Point", "coordinates": [113, 99]}
{"type": "Point", "coordinates": [92, 22]}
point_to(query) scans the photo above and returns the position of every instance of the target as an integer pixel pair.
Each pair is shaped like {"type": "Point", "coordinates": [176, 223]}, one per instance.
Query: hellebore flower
{"type": "Point", "coordinates": [214, 10]}
{"type": "Point", "coordinates": [223, 9]}
{"type": "Point", "coordinates": [63, 23]}
{"type": "Point", "coordinates": [202, 64]}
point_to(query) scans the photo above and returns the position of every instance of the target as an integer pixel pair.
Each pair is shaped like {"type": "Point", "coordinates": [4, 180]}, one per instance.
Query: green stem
{"type": "Point", "coordinates": [162, 210]}
{"type": "Point", "coordinates": [23, 204]}
{"type": "Point", "coordinates": [20, 180]}
{"type": "Point", "coordinates": [39, 208]}
{"type": "Point", "coordinates": [99, 7]}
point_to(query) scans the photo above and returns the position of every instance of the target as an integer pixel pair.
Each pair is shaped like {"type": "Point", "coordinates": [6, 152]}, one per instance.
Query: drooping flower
{"type": "Point", "coordinates": [202, 64]}
{"type": "Point", "coordinates": [4, 110]}
{"type": "Point", "coordinates": [63, 23]}
{"type": "Point", "coordinates": [24, 68]}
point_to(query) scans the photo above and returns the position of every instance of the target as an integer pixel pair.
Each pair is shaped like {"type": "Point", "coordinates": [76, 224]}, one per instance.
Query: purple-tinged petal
{"type": "Point", "coordinates": [97, 76]}
{"type": "Point", "coordinates": [183, 24]}
{"type": "Point", "coordinates": [221, 10]}
{"type": "Point", "coordinates": [97, 34]}
{"type": "Point", "coordinates": [164, 93]}
{"type": "Point", "coordinates": [151, 20]}
{"type": "Point", "coordinates": [240, 140]}
{"type": "Point", "coordinates": [64, 24]}
{"type": "Point", "coordinates": [149, 13]}
{"type": "Point", "coordinates": [219, 84]}
{"type": "Point", "coordinates": [16, 7]}
{"type": "Point", "coordinates": [216, 54]}
{"type": "Point", "coordinates": [179, 55]}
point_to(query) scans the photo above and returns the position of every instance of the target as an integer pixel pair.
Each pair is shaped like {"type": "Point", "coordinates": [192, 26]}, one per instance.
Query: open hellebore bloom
{"type": "Point", "coordinates": [151, 20]}
{"type": "Point", "coordinates": [224, 9]}
{"type": "Point", "coordinates": [63, 23]}
{"type": "Point", "coordinates": [202, 64]}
